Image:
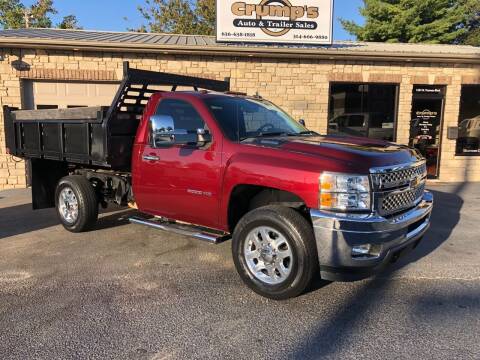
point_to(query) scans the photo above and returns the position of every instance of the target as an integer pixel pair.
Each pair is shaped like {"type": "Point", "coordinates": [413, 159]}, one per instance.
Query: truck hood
{"type": "Point", "coordinates": [359, 153]}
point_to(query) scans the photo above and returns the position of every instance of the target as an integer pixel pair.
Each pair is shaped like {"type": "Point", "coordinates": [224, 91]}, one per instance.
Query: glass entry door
{"type": "Point", "coordinates": [426, 124]}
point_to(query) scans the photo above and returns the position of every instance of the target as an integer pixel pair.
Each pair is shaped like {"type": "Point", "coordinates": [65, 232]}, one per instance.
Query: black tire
{"type": "Point", "coordinates": [297, 231]}
{"type": "Point", "coordinates": [87, 203]}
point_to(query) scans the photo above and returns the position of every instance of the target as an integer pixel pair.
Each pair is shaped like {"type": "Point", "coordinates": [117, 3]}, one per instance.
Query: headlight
{"type": "Point", "coordinates": [344, 192]}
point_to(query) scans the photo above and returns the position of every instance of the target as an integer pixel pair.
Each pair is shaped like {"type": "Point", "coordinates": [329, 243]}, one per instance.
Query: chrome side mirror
{"type": "Point", "coordinates": [163, 132]}
{"type": "Point", "coordinates": [203, 136]}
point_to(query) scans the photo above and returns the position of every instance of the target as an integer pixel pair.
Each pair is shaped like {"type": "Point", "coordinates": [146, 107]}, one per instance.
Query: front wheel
{"type": "Point", "coordinates": [274, 252]}
{"type": "Point", "coordinates": [76, 203]}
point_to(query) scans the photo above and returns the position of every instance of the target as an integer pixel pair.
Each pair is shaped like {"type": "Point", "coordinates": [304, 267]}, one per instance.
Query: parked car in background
{"type": "Point", "coordinates": [371, 125]}
{"type": "Point", "coordinates": [469, 135]}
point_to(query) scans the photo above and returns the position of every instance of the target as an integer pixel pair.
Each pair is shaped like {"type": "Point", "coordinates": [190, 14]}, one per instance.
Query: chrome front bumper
{"type": "Point", "coordinates": [337, 234]}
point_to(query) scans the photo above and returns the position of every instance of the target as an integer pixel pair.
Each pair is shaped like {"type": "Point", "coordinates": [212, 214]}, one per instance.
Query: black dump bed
{"type": "Point", "coordinates": [95, 136]}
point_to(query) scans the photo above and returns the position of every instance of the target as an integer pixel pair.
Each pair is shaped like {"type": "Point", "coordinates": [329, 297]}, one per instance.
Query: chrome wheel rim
{"type": "Point", "coordinates": [68, 205]}
{"type": "Point", "coordinates": [268, 255]}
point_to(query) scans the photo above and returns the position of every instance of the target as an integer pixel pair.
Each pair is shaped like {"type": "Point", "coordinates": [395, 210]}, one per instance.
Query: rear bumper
{"type": "Point", "coordinates": [337, 234]}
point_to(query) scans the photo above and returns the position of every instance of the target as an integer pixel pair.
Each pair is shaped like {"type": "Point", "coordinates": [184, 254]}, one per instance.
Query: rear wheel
{"type": "Point", "coordinates": [76, 203]}
{"type": "Point", "coordinates": [274, 252]}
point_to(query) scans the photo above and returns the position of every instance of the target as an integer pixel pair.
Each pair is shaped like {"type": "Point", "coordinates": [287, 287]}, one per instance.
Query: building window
{"type": "Point", "coordinates": [46, 107]}
{"type": "Point", "coordinates": [468, 142]}
{"type": "Point", "coordinates": [368, 110]}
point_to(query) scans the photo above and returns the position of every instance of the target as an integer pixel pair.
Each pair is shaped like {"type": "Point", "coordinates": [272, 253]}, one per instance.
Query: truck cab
{"type": "Point", "coordinates": [218, 165]}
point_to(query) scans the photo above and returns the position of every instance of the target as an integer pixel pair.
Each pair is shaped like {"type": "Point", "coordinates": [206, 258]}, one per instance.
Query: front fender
{"type": "Point", "coordinates": [291, 175]}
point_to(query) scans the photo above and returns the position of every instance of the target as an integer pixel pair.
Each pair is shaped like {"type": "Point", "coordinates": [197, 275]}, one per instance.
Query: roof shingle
{"type": "Point", "coordinates": [198, 43]}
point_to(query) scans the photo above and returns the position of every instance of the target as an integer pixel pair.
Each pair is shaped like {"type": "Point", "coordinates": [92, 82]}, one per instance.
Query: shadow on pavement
{"type": "Point", "coordinates": [329, 337]}
{"type": "Point", "coordinates": [434, 304]}
{"type": "Point", "coordinates": [117, 219]}
{"type": "Point", "coordinates": [445, 217]}
{"type": "Point", "coordinates": [21, 219]}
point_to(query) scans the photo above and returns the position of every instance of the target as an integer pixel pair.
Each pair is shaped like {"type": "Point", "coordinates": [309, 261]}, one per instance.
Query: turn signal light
{"type": "Point", "coordinates": [326, 200]}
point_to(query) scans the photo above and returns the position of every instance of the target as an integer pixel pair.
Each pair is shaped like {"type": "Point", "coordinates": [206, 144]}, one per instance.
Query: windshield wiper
{"type": "Point", "coordinates": [278, 133]}
{"type": "Point", "coordinates": [272, 133]}
{"type": "Point", "coordinates": [265, 134]}
{"type": "Point", "coordinates": [302, 133]}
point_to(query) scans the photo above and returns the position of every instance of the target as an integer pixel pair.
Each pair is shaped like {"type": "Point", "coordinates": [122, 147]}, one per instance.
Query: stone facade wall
{"type": "Point", "coordinates": [301, 87]}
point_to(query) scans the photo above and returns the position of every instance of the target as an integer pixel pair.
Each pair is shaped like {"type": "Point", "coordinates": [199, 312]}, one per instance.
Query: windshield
{"type": "Point", "coordinates": [242, 118]}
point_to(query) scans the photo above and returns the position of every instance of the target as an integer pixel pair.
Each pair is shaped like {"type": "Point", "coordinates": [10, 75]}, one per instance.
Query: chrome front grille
{"type": "Point", "coordinates": [398, 188]}
{"type": "Point", "coordinates": [392, 178]}
{"type": "Point", "coordinates": [398, 201]}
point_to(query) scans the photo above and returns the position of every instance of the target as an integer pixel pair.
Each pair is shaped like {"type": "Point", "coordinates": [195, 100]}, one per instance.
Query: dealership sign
{"type": "Point", "coordinates": [275, 21]}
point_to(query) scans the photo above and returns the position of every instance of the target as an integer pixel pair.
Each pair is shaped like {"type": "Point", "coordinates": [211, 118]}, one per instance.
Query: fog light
{"type": "Point", "coordinates": [367, 251]}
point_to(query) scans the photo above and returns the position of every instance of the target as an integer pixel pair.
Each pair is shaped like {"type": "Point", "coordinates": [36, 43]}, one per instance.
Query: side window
{"type": "Point", "coordinates": [184, 115]}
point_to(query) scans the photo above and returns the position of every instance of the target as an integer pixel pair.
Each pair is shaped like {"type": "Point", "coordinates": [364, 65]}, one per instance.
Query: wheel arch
{"type": "Point", "coordinates": [246, 197]}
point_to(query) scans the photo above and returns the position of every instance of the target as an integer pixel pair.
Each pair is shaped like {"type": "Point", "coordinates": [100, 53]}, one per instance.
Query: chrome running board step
{"type": "Point", "coordinates": [183, 229]}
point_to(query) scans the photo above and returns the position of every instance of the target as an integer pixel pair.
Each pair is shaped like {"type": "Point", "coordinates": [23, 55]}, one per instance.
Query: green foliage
{"type": "Point", "coordinates": [69, 22]}
{"type": "Point", "coordinates": [416, 21]}
{"type": "Point", "coordinates": [40, 14]}
{"type": "Point", "coordinates": [11, 14]}
{"type": "Point", "coordinates": [206, 17]}
{"type": "Point", "coordinates": [178, 16]}
{"type": "Point", "coordinates": [14, 15]}
{"type": "Point", "coordinates": [472, 36]}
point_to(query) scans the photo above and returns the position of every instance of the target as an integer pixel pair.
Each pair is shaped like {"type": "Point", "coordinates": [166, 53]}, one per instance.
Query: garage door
{"type": "Point", "coordinates": [67, 94]}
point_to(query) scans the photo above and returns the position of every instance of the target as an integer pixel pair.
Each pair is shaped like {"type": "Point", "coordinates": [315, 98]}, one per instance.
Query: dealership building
{"type": "Point", "coordinates": [427, 96]}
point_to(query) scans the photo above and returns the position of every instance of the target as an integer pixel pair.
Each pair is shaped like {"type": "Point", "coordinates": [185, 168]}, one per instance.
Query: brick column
{"type": "Point", "coordinates": [404, 111]}
{"type": "Point", "coordinates": [12, 173]}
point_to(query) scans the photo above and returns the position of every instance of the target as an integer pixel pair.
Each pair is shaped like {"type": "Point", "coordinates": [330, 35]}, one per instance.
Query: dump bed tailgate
{"type": "Point", "coordinates": [72, 135]}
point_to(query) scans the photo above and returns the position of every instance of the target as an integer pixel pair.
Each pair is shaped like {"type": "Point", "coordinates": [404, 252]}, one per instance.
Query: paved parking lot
{"type": "Point", "coordinates": [125, 291]}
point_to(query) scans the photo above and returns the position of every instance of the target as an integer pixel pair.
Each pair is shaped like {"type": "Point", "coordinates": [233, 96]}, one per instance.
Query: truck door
{"type": "Point", "coordinates": [181, 182]}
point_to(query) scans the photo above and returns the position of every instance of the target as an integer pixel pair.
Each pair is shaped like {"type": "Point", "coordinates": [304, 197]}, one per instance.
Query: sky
{"type": "Point", "coordinates": [110, 14]}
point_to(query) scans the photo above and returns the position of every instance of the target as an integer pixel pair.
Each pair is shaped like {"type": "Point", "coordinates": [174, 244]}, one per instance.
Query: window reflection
{"type": "Point", "coordinates": [468, 142]}
{"type": "Point", "coordinates": [367, 110]}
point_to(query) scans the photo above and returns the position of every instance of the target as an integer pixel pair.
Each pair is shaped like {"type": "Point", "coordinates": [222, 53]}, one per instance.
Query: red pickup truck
{"type": "Point", "coordinates": [213, 164]}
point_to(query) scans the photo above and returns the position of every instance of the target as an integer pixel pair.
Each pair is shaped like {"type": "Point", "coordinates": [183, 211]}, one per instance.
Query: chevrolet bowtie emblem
{"type": "Point", "coordinates": [414, 183]}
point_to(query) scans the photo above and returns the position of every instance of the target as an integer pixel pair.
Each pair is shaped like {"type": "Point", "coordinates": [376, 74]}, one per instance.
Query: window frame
{"type": "Point", "coordinates": [461, 119]}
{"type": "Point", "coordinates": [396, 102]}
{"type": "Point", "coordinates": [205, 124]}
{"type": "Point", "coordinates": [163, 100]}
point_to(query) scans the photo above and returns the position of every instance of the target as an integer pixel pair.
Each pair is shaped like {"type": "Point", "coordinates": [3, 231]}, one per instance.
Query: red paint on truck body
{"type": "Point", "coordinates": [195, 185]}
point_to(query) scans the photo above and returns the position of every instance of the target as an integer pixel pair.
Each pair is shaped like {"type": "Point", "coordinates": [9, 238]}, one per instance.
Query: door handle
{"type": "Point", "coordinates": [150, 158]}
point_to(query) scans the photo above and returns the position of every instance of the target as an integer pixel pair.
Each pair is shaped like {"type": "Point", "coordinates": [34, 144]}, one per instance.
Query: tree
{"type": "Point", "coordinates": [69, 22]}
{"type": "Point", "coordinates": [14, 15]}
{"type": "Point", "coordinates": [206, 17]}
{"type": "Point", "coordinates": [472, 36]}
{"type": "Point", "coordinates": [39, 14]}
{"type": "Point", "coordinates": [178, 16]}
{"type": "Point", "coordinates": [414, 21]}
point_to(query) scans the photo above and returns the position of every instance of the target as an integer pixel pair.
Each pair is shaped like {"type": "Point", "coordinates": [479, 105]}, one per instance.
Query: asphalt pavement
{"type": "Point", "coordinates": [125, 291]}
